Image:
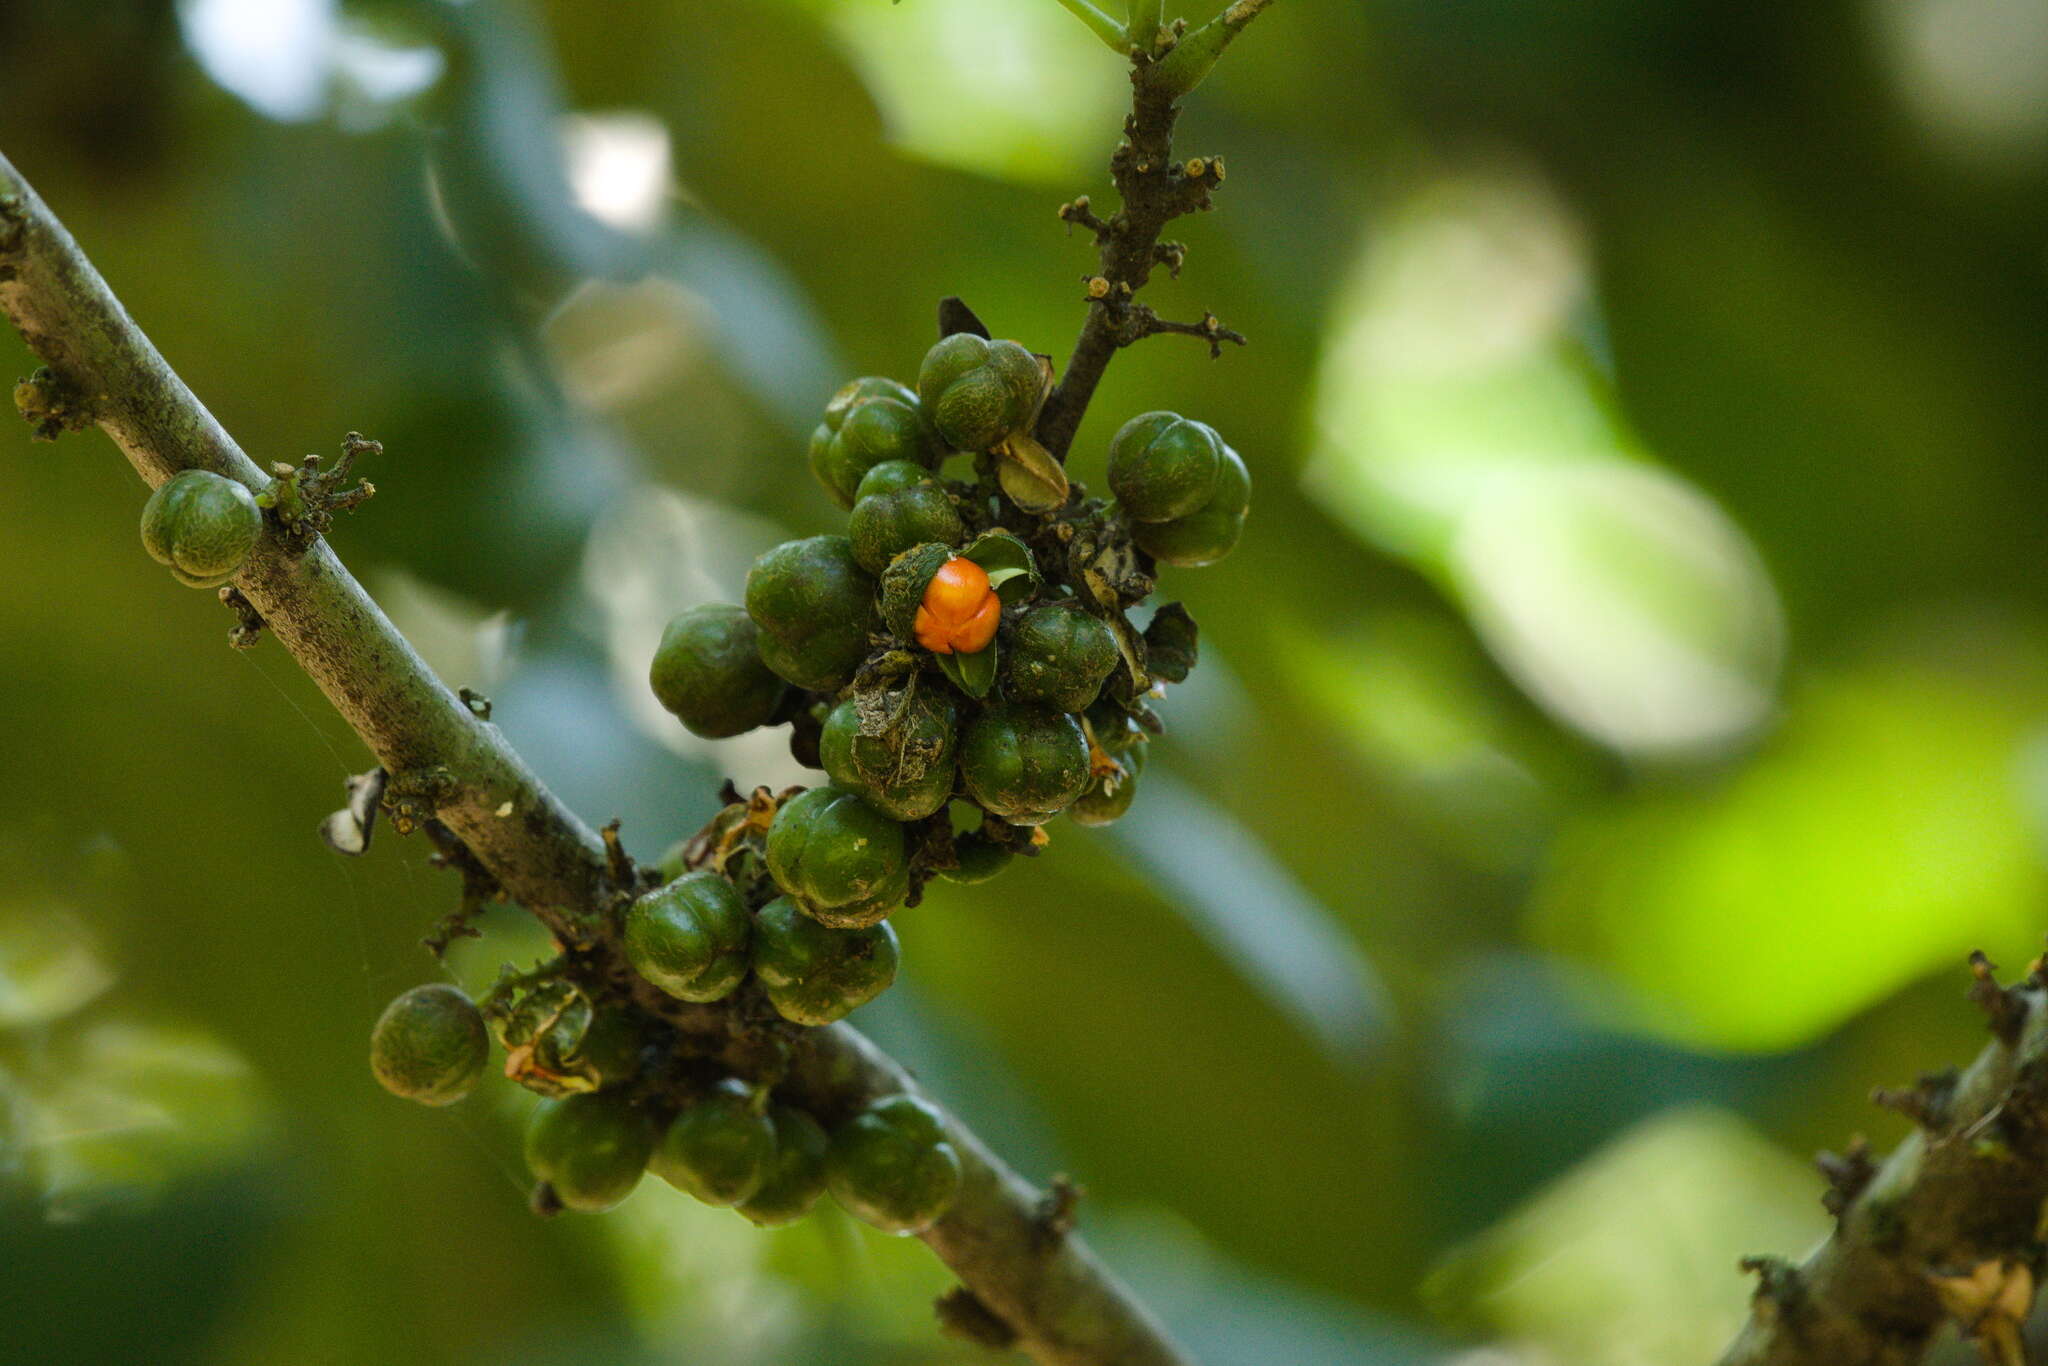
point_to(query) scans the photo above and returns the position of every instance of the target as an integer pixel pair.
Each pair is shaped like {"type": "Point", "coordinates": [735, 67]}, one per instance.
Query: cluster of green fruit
{"type": "Point", "coordinates": [725, 1141]}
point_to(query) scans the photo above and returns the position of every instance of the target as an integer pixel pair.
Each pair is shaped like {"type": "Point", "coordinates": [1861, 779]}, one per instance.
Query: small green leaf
{"type": "Point", "coordinates": [1007, 562]}
{"type": "Point", "coordinates": [1170, 643]}
{"type": "Point", "coordinates": [973, 674]}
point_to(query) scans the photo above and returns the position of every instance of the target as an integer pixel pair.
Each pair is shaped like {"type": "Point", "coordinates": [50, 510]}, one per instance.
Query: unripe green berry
{"type": "Point", "coordinates": [690, 937]}
{"type": "Point", "coordinates": [796, 1174]}
{"type": "Point", "coordinates": [590, 1148]}
{"type": "Point", "coordinates": [1163, 466]}
{"type": "Point", "coordinates": [202, 525]}
{"type": "Point", "coordinates": [707, 671]}
{"type": "Point", "coordinates": [893, 1166]}
{"type": "Point", "coordinates": [814, 607]}
{"type": "Point", "coordinates": [981, 858]}
{"type": "Point", "coordinates": [838, 858]}
{"type": "Point", "coordinates": [1023, 763]}
{"type": "Point", "coordinates": [1108, 798]}
{"type": "Point", "coordinates": [866, 423]}
{"type": "Point", "coordinates": [430, 1045]}
{"type": "Point", "coordinates": [1207, 535]}
{"type": "Point", "coordinates": [977, 392]}
{"type": "Point", "coordinates": [1059, 655]}
{"type": "Point", "coordinates": [814, 975]}
{"type": "Point", "coordinates": [720, 1148]}
{"type": "Point", "coordinates": [895, 512]}
{"type": "Point", "coordinates": [904, 768]}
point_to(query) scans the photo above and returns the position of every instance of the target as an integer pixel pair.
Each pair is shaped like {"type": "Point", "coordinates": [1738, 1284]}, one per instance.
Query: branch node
{"type": "Point", "coordinates": [1847, 1173]}
{"type": "Point", "coordinates": [479, 705]}
{"type": "Point", "coordinates": [1928, 1102]}
{"type": "Point", "coordinates": [1057, 1208]}
{"type": "Point", "coordinates": [2005, 1009]}
{"type": "Point", "coordinates": [617, 861]}
{"type": "Point", "coordinates": [51, 404]}
{"type": "Point", "coordinates": [1780, 1289]}
{"type": "Point", "coordinates": [304, 498]}
{"type": "Point", "coordinates": [413, 797]}
{"type": "Point", "coordinates": [248, 628]}
{"type": "Point", "coordinates": [963, 1314]}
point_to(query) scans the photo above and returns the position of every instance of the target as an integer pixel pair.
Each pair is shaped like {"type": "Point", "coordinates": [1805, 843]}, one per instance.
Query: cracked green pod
{"type": "Point", "coordinates": [720, 1148]}
{"type": "Point", "coordinates": [1163, 466]}
{"type": "Point", "coordinates": [1110, 795]}
{"type": "Point", "coordinates": [589, 1149]}
{"type": "Point", "coordinates": [690, 937]}
{"type": "Point", "coordinates": [893, 1166]}
{"type": "Point", "coordinates": [557, 1042]}
{"type": "Point", "coordinates": [1024, 763]}
{"type": "Point", "coordinates": [814, 608]}
{"type": "Point", "coordinates": [708, 674]}
{"type": "Point", "coordinates": [841, 860]}
{"type": "Point", "coordinates": [1206, 536]}
{"type": "Point", "coordinates": [1060, 655]}
{"type": "Point", "coordinates": [430, 1045]}
{"type": "Point", "coordinates": [904, 583]}
{"type": "Point", "coordinates": [898, 506]}
{"type": "Point", "coordinates": [978, 392]}
{"type": "Point", "coordinates": [813, 974]}
{"type": "Point", "coordinates": [796, 1173]}
{"type": "Point", "coordinates": [868, 422]}
{"type": "Point", "coordinates": [202, 526]}
{"type": "Point", "coordinates": [895, 750]}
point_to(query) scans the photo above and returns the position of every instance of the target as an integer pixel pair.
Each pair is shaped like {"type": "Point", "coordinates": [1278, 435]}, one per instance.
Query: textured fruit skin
{"type": "Point", "coordinates": [893, 1166]}
{"type": "Point", "coordinates": [814, 607]}
{"type": "Point", "coordinates": [1099, 805]}
{"type": "Point", "coordinates": [591, 1148]}
{"type": "Point", "coordinates": [904, 583]}
{"type": "Point", "coordinates": [430, 1045]}
{"type": "Point", "coordinates": [960, 612]}
{"type": "Point", "coordinates": [1024, 763]}
{"type": "Point", "coordinates": [202, 525]}
{"type": "Point", "coordinates": [906, 774]}
{"type": "Point", "coordinates": [981, 859]}
{"type": "Point", "coordinates": [814, 975]}
{"type": "Point", "coordinates": [1059, 655]}
{"type": "Point", "coordinates": [866, 423]}
{"type": "Point", "coordinates": [838, 858]}
{"type": "Point", "coordinates": [708, 673]}
{"type": "Point", "coordinates": [796, 1174]}
{"type": "Point", "coordinates": [978, 392]}
{"type": "Point", "coordinates": [892, 514]}
{"type": "Point", "coordinates": [690, 937]}
{"type": "Point", "coordinates": [1163, 466]}
{"type": "Point", "coordinates": [1206, 536]}
{"type": "Point", "coordinates": [720, 1148]}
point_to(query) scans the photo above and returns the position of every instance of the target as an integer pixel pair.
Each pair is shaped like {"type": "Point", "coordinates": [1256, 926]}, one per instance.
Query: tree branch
{"type": "Point", "coordinates": [1948, 1227]}
{"type": "Point", "coordinates": [1063, 1305]}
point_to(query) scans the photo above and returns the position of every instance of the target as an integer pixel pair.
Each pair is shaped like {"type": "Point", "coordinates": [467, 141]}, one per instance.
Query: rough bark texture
{"type": "Point", "coordinates": [1062, 1305]}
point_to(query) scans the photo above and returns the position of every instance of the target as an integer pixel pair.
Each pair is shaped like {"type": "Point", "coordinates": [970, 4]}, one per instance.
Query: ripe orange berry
{"type": "Point", "coordinates": [960, 611]}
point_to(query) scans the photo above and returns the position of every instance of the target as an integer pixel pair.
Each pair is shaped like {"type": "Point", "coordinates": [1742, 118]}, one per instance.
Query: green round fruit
{"type": "Point", "coordinates": [901, 762]}
{"type": "Point", "coordinates": [1163, 466]}
{"type": "Point", "coordinates": [1059, 655]}
{"type": "Point", "coordinates": [1101, 803]}
{"type": "Point", "coordinates": [866, 423]}
{"type": "Point", "coordinates": [893, 1166]}
{"type": "Point", "coordinates": [838, 858]}
{"type": "Point", "coordinates": [978, 392]}
{"type": "Point", "coordinates": [814, 607]}
{"type": "Point", "coordinates": [904, 583]}
{"type": "Point", "coordinates": [814, 975]}
{"type": "Point", "coordinates": [720, 1148]}
{"type": "Point", "coordinates": [796, 1174]}
{"type": "Point", "coordinates": [690, 937]}
{"type": "Point", "coordinates": [1024, 763]}
{"type": "Point", "coordinates": [590, 1148]}
{"type": "Point", "coordinates": [894, 512]}
{"type": "Point", "coordinates": [1206, 536]}
{"type": "Point", "coordinates": [708, 672]}
{"type": "Point", "coordinates": [202, 525]}
{"type": "Point", "coordinates": [1114, 731]}
{"type": "Point", "coordinates": [981, 858]}
{"type": "Point", "coordinates": [430, 1045]}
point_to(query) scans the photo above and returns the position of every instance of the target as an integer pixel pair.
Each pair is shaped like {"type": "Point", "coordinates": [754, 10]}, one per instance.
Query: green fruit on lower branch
{"type": "Point", "coordinates": [814, 975]}
{"type": "Point", "coordinates": [893, 514]}
{"type": "Point", "coordinates": [429, 1045]}
{"type": "Point", "coordinates": [1109, 796]}
{"type": "Point", "coordinates": [1059, 655]}
{"type": "Point", "coordinates": [895, 750]}
{"type": "Point", "coordinates": [1024, 763]}
{"type": "Point", "coordinates": [796, 1173]}
{"type": "Point", "coordinates": [893, 1166]}
{"type": "Point", "coordinates": [977, 392]}
{"type": "Point", "coordinates": [690, 937]}
{"type": "Point", "coordinates": [981, 858]}
{"type": "Point", "coordinates": [1114, 730]}
{"type": "Point", "coordinates": [202, 525]}
{"type": "Point", "coordinates": [866, 423]}
{"type": "Point", "coordinates": [707, 671]}
{"type": "Point", "coordinates": [838, 858]}
{"type": "Point", "coordinates": [814, 607]}
{"type": "Point", "coordinates": [591, 1149]}
{"type": "Point", "coordinates": [1205, 536]}
{"type": "Point", "coordinates": [1163, 466]}
{"type": "Point", "coordinates": [720, 1148]}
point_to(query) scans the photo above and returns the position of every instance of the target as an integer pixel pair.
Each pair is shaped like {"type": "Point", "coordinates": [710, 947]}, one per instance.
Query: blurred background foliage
{"type": "Point", "coordinates": [1623, 714]}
